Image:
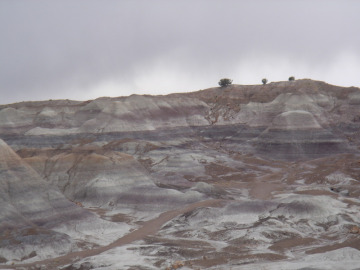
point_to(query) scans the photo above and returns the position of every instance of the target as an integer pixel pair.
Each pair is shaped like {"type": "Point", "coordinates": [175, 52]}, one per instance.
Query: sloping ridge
{"type": "Point", "coordinates": [33, 212]}
{"type": "Point", "coordinates": [21, 185]}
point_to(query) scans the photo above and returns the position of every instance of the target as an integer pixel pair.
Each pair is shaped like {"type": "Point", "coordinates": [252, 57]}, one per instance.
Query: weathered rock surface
{"type": "Point", "coordinates": [282, 161]}
{"type": "Point", "coordinates": [99, 177]}
{"type": "Point", "coordinates": [36, 220]}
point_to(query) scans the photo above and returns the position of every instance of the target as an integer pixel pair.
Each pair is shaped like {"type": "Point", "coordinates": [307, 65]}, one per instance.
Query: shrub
{"type": "Point", "coordinates": [225, 82]}
{"type": "Point", "coordinates": [292, 78]}
{"type": "Point", "coordinates": [264, 81]}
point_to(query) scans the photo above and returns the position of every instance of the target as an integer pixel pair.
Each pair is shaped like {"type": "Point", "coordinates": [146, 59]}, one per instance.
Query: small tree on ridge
{"type": "Point", "coordinates": [225, 82]}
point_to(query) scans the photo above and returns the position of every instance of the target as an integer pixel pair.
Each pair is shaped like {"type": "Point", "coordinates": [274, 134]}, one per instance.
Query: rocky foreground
{"type": "Point", "coordinates": [238, 177]}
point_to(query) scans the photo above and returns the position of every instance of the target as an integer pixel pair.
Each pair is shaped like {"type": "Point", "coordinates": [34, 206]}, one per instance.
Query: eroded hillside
{"type": "Point", "coordinates": [239, 177]}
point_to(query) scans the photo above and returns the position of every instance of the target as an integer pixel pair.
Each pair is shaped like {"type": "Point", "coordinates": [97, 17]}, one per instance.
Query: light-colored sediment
{"type": "Point", "coordinates": [241, 177]}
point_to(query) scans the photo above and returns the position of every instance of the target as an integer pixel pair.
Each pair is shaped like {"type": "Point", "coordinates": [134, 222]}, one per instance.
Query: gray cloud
{"type": "Point", "coordinates": [84, 49]}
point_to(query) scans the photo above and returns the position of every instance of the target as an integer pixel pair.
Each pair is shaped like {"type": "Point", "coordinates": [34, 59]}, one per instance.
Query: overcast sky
{"type": "Point", "coordinates": [86, 49]}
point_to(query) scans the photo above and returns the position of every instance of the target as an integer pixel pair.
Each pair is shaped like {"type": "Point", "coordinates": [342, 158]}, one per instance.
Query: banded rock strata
{"type": "Point", "coordinates": [282, 158]}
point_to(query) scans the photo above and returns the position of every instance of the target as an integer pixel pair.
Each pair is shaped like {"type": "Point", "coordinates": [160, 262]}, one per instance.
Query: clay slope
{"type": "Point", "coordinates": [99, 177]}
{"type": "Point", "coordinates": [36, 220]}
{"type": "Point", "coordinates": [280, 160]}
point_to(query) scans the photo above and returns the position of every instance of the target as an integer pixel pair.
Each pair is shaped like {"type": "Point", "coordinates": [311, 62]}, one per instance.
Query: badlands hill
{"type": "Point", "coordinates": [239, 177]}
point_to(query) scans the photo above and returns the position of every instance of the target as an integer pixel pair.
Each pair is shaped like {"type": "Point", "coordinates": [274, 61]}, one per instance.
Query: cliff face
{"type": "Point", "coordinates": [78, 171]}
